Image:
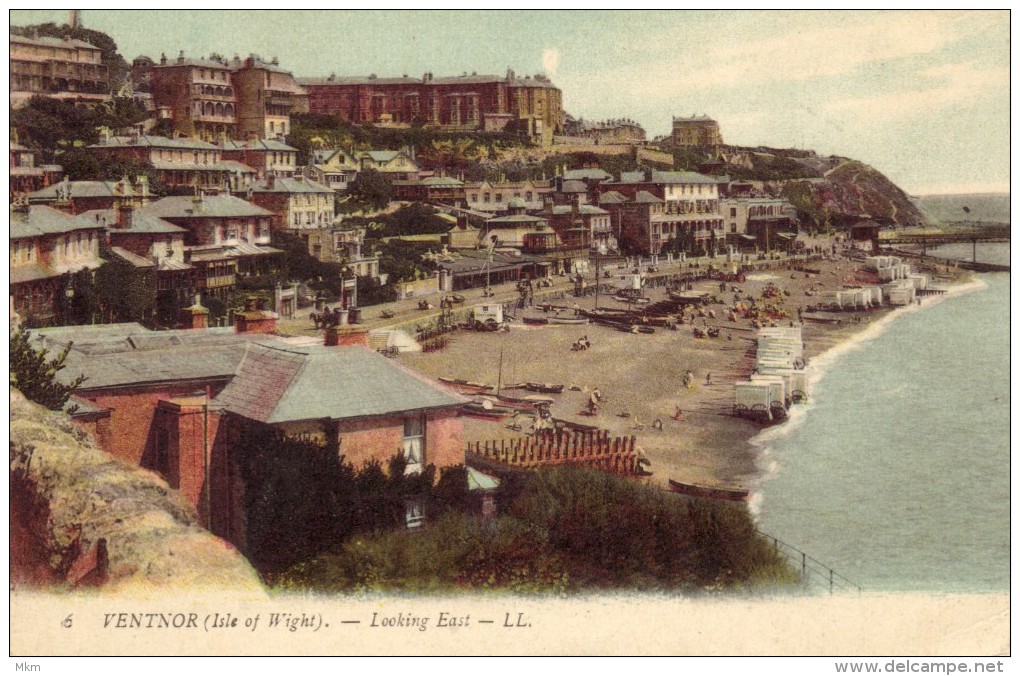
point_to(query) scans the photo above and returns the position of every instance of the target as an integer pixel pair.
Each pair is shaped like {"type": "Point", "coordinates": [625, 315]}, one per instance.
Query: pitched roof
{"type": "Point", "coordinates": [140, 222]}
{"type": "Point", "coordinates": [40, 220]}
{"type": "Point", "coordinates": [276, 384]}
{"type": "Point", "coordinates": [132, 259]}
{"type": "Point", "coordinates": [584, 209]}
{"type": "Point", "coordinates": [356, 80]}
{"type": "Point", "coordinates": [48, 41]}
{"type": "Point", "coordinates": [666, 177]}
{"type": "Point", "coordinates": [260, 145]}
{"type": "Point", "coordinates": [580, 174]}
{"type": "Point", "coordinates": [77, 188]}
{"type": "Point", "coordinates": [128, 354]}
{"type": "Point", "coordinates": [442, 182]}
{"type": "Point", "coordinates": [645, 197]}
{"type": "Point", "coordinates": [291, 185]}
{"type": "Point", "coordinates": [208, 206]}
{"type": "Point", "coordinates": [573, 185]}
{"type": "Point", "coordinates": [154, 141]}
{"type": "Point", "coordinates": [30, 272]}
{"type": "Point", "coordinates": [516, 218]}
{"type": "Point", "coordinates": [682, 177]}
{"type": "Point", "coordinates": [612, 197]}
{"type": "Point", "coordinates": [381, 155]}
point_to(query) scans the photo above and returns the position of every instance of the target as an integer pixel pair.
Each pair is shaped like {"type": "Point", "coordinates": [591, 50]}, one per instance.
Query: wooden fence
{"type": "Point", "coordinates": [560, 447]}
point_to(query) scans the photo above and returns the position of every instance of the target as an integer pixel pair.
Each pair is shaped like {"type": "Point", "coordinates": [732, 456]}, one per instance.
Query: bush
{"type": "Point", "coordinates": [35, 376]}
{"type": "Point", "coordinates": [564, 529]}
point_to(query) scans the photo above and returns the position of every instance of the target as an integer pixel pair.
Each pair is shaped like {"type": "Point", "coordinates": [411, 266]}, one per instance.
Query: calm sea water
{"type": "Point", "coordinates": [896, 474]}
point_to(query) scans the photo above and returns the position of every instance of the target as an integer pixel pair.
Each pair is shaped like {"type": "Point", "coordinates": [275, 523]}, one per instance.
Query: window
{"type": "Point", "coordinates": [414, 444]}
{"type": "Point", "coordinates": [485, 198]}
{"type": "Point", "coordinates": [474, 197]}
{"type": "Point", "coordinates": [414, 512]}
{"type": "Point", "coordinates": [527, 196]}
{"type": "Point", "coordinates": [499, 197]}
{"type": "Point", "coordinates": [733, 212]}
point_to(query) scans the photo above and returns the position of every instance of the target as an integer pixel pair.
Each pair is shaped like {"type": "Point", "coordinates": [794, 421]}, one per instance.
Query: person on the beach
{"type": "Point", "coordinates": [708, 378]}
{"type": "Point", "coordinates": [679, 415]}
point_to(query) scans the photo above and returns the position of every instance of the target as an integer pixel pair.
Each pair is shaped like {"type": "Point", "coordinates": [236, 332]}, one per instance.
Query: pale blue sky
{"type": "Point", "coordinates": [921, 96]}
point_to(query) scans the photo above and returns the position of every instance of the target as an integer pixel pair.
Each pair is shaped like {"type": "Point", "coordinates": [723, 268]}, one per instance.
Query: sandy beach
{"type": "Point", "coordinates": [640, 375]}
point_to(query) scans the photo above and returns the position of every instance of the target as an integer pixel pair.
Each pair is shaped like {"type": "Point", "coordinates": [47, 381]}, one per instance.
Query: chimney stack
{"type": "Point", "coordinates": [124, 215]}
{"type": "Point", "coordinates": [194, 317]}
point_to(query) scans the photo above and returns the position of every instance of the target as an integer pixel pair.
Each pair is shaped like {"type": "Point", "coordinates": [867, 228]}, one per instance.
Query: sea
{"type": "Point", "coordinates": [896, 474]}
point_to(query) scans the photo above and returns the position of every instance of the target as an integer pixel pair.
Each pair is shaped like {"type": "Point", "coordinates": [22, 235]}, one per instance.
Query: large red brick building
{"type": "Point", "coordinates": [473, 102]}
{"type": "Point", "coordinates": [217, 99]}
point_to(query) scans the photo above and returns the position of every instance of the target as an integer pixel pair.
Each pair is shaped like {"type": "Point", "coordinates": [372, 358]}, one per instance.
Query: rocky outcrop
{"type": "Point", "coordinates": [847, 193]}
{"type": "Point", "coordinates": [82, 518]}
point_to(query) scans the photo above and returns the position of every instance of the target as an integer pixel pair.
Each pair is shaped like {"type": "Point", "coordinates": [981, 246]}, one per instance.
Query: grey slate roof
{"type": "Point", "coordinates": [516, 218]}
{"type": "Point", "coordinates": [42, 220]}
{"type": "Point", "coordinates": [30, 273]}
{"type": "Point", "coordinates": [356, 80]}
{"type": "Point", "coordinates": [210, 206]}
{"type": "Point", "coordinates": [132, 259]}
{"type": "Point", "coordinates": [129, 354]}
{"type": "Point", "coordinates": [78, 189]}
{"type": "Point", "coordinates": [291, 185]}
{"type": "Point", "coordinates": [667, 177]}
{"type": "Point", "coordinates": [154, 141]}
{"type": "Point", "coordinates": [49, 41]}
{"type": "Point", "coordinates": [260, 145]}
{"type": "Point", "coordinates": [588, 209]}
{"type": "Point", "coordinates": [574, 185]}
{"type": "Point", "coordinates": [645, 197]}
{"type": "Point", "coordinates": [612, 197]}
{"type": "Point", "coordinates": [283, 384]}
{"type": "Point", "coordinates": [580, 174]}
{"type": "Point", "coordinates": [140, 222]}
{"type": "Point", "coordinates": [442, 182]}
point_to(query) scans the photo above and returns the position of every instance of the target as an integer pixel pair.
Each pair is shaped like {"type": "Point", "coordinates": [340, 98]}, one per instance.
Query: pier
{"type": "Point", "coordinates": [987, 234]}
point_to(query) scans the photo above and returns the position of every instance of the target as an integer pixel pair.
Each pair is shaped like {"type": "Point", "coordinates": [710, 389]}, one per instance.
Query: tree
{"type": "Point", "coordinates": [126, 293]}
{"type": "Point", "coordinates": [35, 376]}
{"type": "Point", "coordinates": [370, 190]}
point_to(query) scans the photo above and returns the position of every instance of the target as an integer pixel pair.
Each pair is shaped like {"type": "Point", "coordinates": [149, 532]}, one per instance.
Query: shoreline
{"type": "Point", "coordinates": [822, 364]}
{"type": "Point", "coordinates": [640, 374]}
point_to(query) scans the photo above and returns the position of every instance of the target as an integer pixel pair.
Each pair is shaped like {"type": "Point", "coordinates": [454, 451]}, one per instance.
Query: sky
{"type": "Point", "coordinates": [922, 96]}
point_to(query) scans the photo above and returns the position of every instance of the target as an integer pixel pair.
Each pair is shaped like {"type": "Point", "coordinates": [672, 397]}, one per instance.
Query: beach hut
{"type": "Point", "coordinates": [751, 400]}
{"type": "Point", "coordinates": [795, 380]}
{"type": "Point", "coordinates": [777, 388]}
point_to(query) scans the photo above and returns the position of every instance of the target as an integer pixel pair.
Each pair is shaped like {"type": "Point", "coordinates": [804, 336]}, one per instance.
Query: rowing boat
{"type": "Point", "coordinates": [710, 492]}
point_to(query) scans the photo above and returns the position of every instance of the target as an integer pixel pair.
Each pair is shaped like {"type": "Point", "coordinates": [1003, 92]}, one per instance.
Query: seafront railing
{"type": "Point", "coordinates": [810, 566]}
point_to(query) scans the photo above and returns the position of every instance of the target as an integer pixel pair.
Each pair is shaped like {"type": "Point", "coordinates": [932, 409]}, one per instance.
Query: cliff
{"type": "Point", "coordinates": [82, 518]}
{"type": "Point", "coordinates": [847, 192]}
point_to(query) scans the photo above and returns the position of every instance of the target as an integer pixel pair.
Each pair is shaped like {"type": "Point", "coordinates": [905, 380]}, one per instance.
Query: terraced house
{"type": "Point", "coordinates": [298, 203]}
{"type": "Point", "coordinates": [179, 162]}
{"type": "Point", "coordinates": [227, 238]}
{"type": "Point", "coordinates": [45, 244]}
{"type": "Point", "coordinates": [59, 68]}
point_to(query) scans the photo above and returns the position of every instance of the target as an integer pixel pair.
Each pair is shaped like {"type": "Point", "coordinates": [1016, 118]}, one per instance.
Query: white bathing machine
{"type": "Point", "coordinates": [796, 382]}
{"type": "Point", "coordinates": [752, 400]}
